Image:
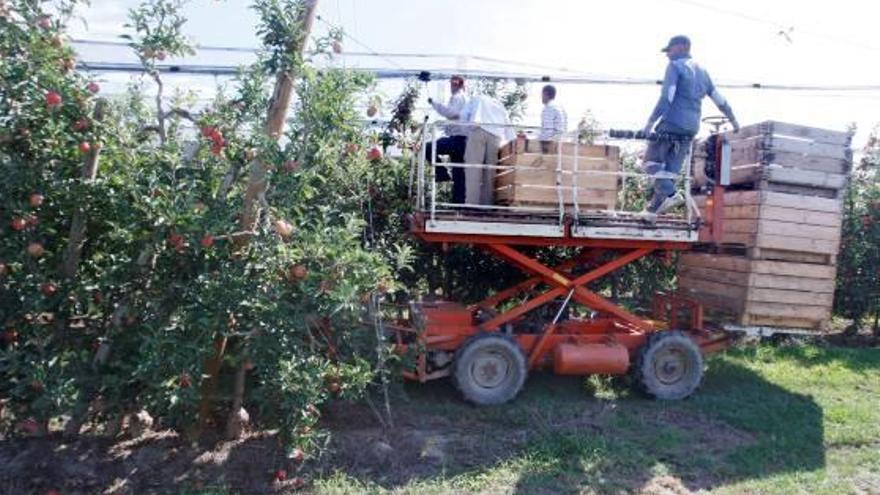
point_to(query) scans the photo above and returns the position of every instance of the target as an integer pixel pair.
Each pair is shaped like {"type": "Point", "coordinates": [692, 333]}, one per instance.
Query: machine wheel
{"type": "Point", "coordinates": [490, 369]}
{"type": "Point", "coordinates": [669, 366]}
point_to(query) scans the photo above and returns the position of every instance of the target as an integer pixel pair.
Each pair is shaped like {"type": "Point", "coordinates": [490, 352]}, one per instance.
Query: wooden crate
{"type": "Point", "coordinates": [785, 157]}
{"type": "Point", "coordinates": [779, 226]}
{"type": "Point", "coordinates": [760, 292]}
{"type": "Point", "coordinates": [534, 183]}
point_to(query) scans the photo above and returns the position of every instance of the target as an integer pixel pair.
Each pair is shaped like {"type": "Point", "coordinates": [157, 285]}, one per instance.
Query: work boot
{"type": "Point", "coordinates": [647, 216]}
{"type": "Point", "coordinates": [669, 203]}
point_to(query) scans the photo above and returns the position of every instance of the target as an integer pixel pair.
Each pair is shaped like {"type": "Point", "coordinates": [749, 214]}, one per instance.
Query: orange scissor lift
{"type": "Point", "coordinates": [487, 347]}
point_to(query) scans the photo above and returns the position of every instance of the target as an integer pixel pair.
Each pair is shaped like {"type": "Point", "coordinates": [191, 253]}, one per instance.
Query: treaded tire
{"type": "Point", "coordinates": [669, 366]}
{"type": "Point", "coordinates": [489, 369]}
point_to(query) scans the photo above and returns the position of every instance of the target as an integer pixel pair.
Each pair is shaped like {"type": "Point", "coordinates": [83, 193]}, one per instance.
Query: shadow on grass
{"type": "Point", "coordinates": [570, 435]}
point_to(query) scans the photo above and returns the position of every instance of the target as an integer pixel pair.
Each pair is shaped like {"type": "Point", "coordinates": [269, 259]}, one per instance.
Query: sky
{"type": "Point", "coordinates": [748, 41]}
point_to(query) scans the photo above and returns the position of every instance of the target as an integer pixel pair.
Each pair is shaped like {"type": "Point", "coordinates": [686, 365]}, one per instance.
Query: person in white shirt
{"type": "Point", "coordinates": [554, 121]}
{"type": "Point", "coordinates": [456, 138]}
{"type": "Point", "coordinates": [483, 143]}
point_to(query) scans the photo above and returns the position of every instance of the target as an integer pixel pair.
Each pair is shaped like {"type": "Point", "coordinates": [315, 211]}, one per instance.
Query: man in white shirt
{"type": "Point", "coordinates": [482, 146]}
{"type": "Point", "coordinates": [554, 121]}
{"type": "Point", "coordinates": [456, 138]}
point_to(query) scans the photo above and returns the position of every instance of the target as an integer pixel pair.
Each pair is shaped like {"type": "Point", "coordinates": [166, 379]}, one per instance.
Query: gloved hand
{"type": "Point", "coordinates": [430, 101]}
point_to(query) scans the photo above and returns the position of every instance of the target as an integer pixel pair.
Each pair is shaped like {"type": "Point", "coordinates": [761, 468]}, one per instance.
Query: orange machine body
{"type": "Point", "coordinates": [588, 359]}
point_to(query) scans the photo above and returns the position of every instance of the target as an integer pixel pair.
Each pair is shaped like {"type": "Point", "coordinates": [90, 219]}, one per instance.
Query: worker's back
{"type": "Point", "coordinates": [693, 84]}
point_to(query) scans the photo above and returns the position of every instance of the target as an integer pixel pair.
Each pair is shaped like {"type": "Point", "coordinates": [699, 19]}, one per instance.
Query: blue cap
{"type": "Point", "coordinates": [677, 40]}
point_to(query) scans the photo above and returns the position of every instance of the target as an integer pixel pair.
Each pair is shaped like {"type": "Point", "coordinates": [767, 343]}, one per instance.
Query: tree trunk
{"type": "Point", "coordinates": [258, 184]}
{"type": "Point", "coordinates": [284, 86]}
{"type": "Point", "coordinates": [78, 224]}
{"type": "Point", "coordinates": [877, 324]}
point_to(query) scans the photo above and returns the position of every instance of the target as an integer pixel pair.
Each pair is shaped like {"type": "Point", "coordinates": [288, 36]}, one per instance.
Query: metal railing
{"type": "Point", "coordinates": [426, 188]}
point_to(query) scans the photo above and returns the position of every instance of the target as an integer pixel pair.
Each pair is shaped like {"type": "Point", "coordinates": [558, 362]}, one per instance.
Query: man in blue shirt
{"type": "Point", "coordinates": [677, 120]}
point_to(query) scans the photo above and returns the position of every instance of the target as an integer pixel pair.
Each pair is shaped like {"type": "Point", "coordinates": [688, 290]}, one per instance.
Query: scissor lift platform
{"type": "Point", "coordinates": [489, 347]}
{"type": "Point", "coordinates": [589, 225]}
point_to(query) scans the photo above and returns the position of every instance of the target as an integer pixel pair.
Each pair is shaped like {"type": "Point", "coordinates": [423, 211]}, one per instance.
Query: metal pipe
{"type": "Point", "coordinates": [559, 194]}
{"type": "Point", "coordinates": [574, 181]}
{"type": "Point", "coordinates": [433, 172]}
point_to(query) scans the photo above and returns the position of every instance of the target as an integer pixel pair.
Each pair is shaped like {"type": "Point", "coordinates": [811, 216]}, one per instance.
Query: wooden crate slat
{"type": "Point", "coordinates": [809, 178]}
{"type": "Point", "coordinates": [782, 200]}
{"type": "Point", "coordinates": [788, 310]}
{"type": "Point", "coordinates": [790, 297]}
{"type": "Point", "coordinates": [778, 321]}
{"type": "Point", "coordinates": [771, 127]}
{"type": "Point", "coordinates": [803, 147]}
{"type": "Point", "coordinates": [799, 244]}
{"type": "Point", "coordinates": [740, 264]}
{"type": "Point", "coordinates": [518, 146]}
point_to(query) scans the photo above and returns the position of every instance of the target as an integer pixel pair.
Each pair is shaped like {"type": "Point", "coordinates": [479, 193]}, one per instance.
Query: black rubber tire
{"type": "Point", "coordinates": [669, 366]}
{"type": "Point", "coordinates": [488, 351]}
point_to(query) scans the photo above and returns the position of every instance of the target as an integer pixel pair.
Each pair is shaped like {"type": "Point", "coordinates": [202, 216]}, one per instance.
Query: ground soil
{"type": "Point", "coordinates": [422, 445]}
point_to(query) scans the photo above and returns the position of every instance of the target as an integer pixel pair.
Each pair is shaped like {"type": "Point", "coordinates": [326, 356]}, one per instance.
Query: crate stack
{"type": "Point", "coordinates": [534, 184]}
{"type": "Point", "coordinates": [776, 265]}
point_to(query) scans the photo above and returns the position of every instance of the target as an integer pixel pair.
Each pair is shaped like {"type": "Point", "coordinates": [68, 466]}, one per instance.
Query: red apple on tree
{"type": "Point", "coordinates": [35, 200]}
{"type": "Point", "coordinates": [53, 100]}
{"type": "Point", "coordinates": [297, 455]}
{"type": "Point", "coordinates": [19, 224]}
{"type": "Point", "coordinates": [35, 250]}
{"type": "Point", "coordinates": [85, 147]}
{"type": "Point", "coordinates": [93, 87]}
{"type": "Point", "coordinates": [184, 381]}
{"type": "Point", "coordinates": [284, 229]}
{"type": "Point", "coordinates": [280, 475]}
{"type": "Point", "coordinates": [207, 241]}
{"type": "Point", "coordinates": [299, 272]}
{"type": "Point", "coordinates": [49, 289]}
{"type": "Point", "coordinates": [208, 131]}
{"type": "Point", "coordinates": [81, 125]}
{"type": "Point", "coordinates": [375, 154]}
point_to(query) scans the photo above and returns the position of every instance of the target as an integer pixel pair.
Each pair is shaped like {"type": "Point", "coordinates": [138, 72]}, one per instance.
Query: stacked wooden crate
{"type": "Point", "coordinates": [776, 263]}
{"type": "Point", "coordinates": [534, 181]}
{"type": "Point", "coordinates": [786, 158]}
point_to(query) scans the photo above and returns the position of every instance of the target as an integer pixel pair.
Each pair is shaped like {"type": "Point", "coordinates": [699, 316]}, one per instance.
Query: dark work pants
{"type": "Point", "coordinates": [453, 146]}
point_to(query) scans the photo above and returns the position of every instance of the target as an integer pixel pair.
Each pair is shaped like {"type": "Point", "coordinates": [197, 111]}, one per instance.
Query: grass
{"type": "Point", "coordinates": [795, 419]}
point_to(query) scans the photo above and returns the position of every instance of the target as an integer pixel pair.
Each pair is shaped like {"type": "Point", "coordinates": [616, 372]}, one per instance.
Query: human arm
{"type": "Point", "coordinates": [452, 111]}
{"type": "Point", "coordinates": [721, 102]}
{"type": "Point", "coordinates": [667, 95]}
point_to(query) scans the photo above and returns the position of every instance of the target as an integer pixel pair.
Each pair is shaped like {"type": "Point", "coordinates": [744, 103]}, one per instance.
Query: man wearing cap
{"type": "Point", "coordinates": [677, 120]}
{"type": "Point", "coordinates": [456, 138]}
